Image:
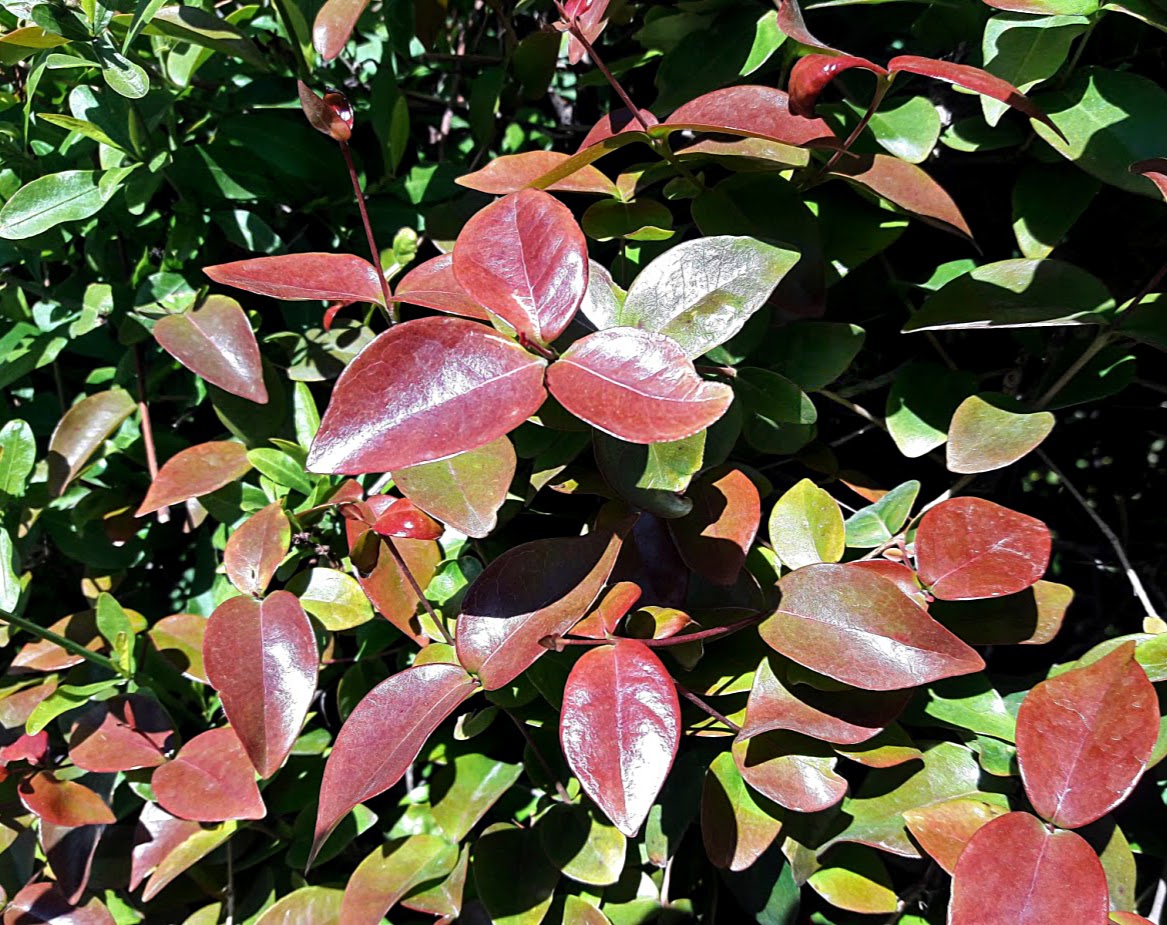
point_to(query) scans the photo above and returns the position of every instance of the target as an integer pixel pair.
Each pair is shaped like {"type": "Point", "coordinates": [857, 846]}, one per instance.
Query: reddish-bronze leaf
{"type": "Point", "coordinates": [753, 112]}
{"type": "Point", "coordinates": [532, 591]}
{"type": "Point", "coordinates": [525, 258]}
{"type": "Point", "coordinates": [811, 74]}
{"type": "Point", "coordinates": [210, 780]}
{"type": "Point", "coordinates": [1129, 918]}
{"type": "Point", "coordinates": [1084, 738]}
{"type": "Point", "coordinates": [195, 471]}
{"type": "Point", "coordinates": [122, 734]}
{"type": "Point", "coordinates": [944, 829]}
{"type": "Point", "coordinates": [433, 285]}
{"type": "Point", "coordinates": [714, 538]}
{"type": "Point", "coordinates": [157, 835]}
{"type": "Point", "coordinates": [81, 431]}
{"type": "Point", "coordinates": [215, 341]}
{"type": "Point", "coordinates": [513, 172]}
{"type": "Point", "coordinates": [426, 390]}
{"type": "Point", "coordinates": [179, 639]}
{"type": "Point", "coordinates": [791, 23]}
{"type": "Point", "coordinates": [612, 131]}
{"type": "Point", "coordinates": [403, 519]}
{"type": "Point", "coordinates": [464, 491]}
{"type": "Point", "coordinates": [792, 770]}
{"type": "Point", "coordinates": [1015, 871]}
{"type": "Point", "coordinates": [636, 385]}
{"type": "Point", "coordinates": [70, 853]}
{"type": "Point", "coordinates": [31, 748]}
{"type": "Point", "coordinates": [44, 904]}
{"type": "Point", "coordinates": [616, 123]}
{"type": "Point", "coordinates": [261, 657]}
{"type": "Point", "coordinates": [858, 627]}
{"type": "Point", "coordinates": [256, 549]}
{"type": "Point", "coordinates": [63, 802]}
{"type": "Point", "coordinates": [383, 735]}
{"type": "Point", "coordinates": [616, 602]}
{"type": "Point", "coordinates": [620, 727]}
{"type": "Point", "coordinates": [334, 24]}
{"type": "Point", "coordinates": [1155, 170]}
{"type": "Point", "coordinates": [972, 78]}
{"type": "Point", "coordinates": [303, 277]}
{"type": "Point", "coordinates": [970, 548]}
{"type": "Point", "coordinates": [43, 655]}
{"type": "Point", "coordinates": [326, 119]}
{"type": "Point", "coordinates": [904, 577]}
{"type": "Point", "coordinates": [907, 186]}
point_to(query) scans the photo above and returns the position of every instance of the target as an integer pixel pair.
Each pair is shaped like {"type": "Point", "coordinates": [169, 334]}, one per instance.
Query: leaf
{"type": "Point", "coordinates": [179, 639]}
{"type": "Point", "coordinates": [394, 720]}
{"type": "Point", "coordinates": [715, 537]}
{"type": "Point", "coordinates": [877, 523]}
{"type": "Point", "coordinates": [509, 900]}
{"type": "Point", "coordinates": [970, 703]}
{"type": "Point", "coordinates": [779, 415]}
{"type": "Point", "coordinates": [433, 285]}
{"type": "Point", "coordinates": [158, 836]}
{"type": "Point", "coordinates": [193, 472]}
{"type": "Point", "coordinates": [334, 25]}
{"type": "Point", "coordinates": [701, 292]}
{"type": "Point", "coordinates": [641, 220]}
{"type": "Point", "coordinates": [465, 789]}
{"type": "Point", "coordinates": [971, 548]}
{"type": "Point", "coordinates": [122, 734]}
{"type": "Point", "coordinates": [17, 458]}
{"type": "Point", "coordinates": [753, 112]}
{"type": "Point", "coordinates": [309, 905]}
{"type": "Point", "coordinates": [144, 11]}
{"type": "Point", "coordinates": [806, 526]}
{"type": "Point", "coordinates": [1155, 170]}
{"type": "Point", "coordinates": [1029, 617]}
{"type": "Point", "coordinates": [1084, 738]}
{"type": "Point", "coordinates": [303, 277]}
{"type": "Point", "coordinates": [210, 780]}
{"type": "Point", "coordinates": [121, 74]}
{"type": "Point", "coordinates": [323, 115]}
{"type": "Point", "coordinates": [921, 403]}
{"type": "Point", "coordinates": [256, 549]}
{"type": "Point", "coordinates": [206, 30]}
{"type": "Point", "coordinates": [531, 591]}
{"type": "Point", "coordinates": [1025, 51]}
{"type": "Point", "coordinates": [812, 73]}
{"type": "Point", "coordinates": [1016, 294]}
{"type": "Point", "coordinates": [215, 341]}
{"type": "Point", "coordinates": [582, 844]}
{"type": "Point", "coordinates": [855, 879]}
{"type": "Point", "coordinates": [390, 872]}
{"type": "Point", "coordinates": [637, 386]}
{"type": "Point", "coordinates": [792, 770]}
{"type": "Point", "coordinates": [423, 391]}
{"type": "Point", "coordinates": [1037, 864]}
{"type": "Point", "coordinates": [513, 172]}
{"type": "Point", "coordinates": [261, 657]}
{"type": "Point", "coordinates": [63, 802]}
{"type": "Point", "coordinates": [44, 903]}
{"type": "Point", "coordinates": [736, 826]}
{"type": "Point", "coordinates": [281, 468]}
{"type": "Point", "coordinates": [80, 433]}
{"type": "Point", "coordinates": [620, 728]}
{"type": "Point", "coordinates": [651, 476]}
{"type": "Point", "coordinates": [601, 623]}
{"type": "Point", "coordinates": [906, 186]}
{"type": "Point", "coordinates": [990, 432]}
{"type": "Point", "coordinates": [813, 354]}
{"type": "Point", "coordinates": [49, 200]}
{"type": "Point", "coordinates": [464, 491]}
{"type": "Point", "coordinates": [857, 627]}
{"type": "Point", "coordinates": [332, 597]}
{"type": "Point", "coordinates": [944, 829]}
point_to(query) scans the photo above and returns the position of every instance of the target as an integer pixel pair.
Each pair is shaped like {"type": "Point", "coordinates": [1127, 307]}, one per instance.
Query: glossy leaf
{"type": "Point", "coordinates": [402, 519]}
{"type": "Point", "coordinates": [510, 900]}
{"type": "Point", "coordinates": [39, 903]}
{"type": "Point", "coordinates": [921, 403]}
{"type": "Point", "coordinates": [806, 526]}
{"type": "Point", "coordinates": [464, 491]}
{"type": "Point", "coordinates": [179, 639]}
{"type": "Point", "coordinates": [256, 549]}
{"type": "Point", "coordinates": [325, 115]}
{"type": "Point", "coordinates": [157, 836]}
{"type": "Point", "coordinates": [855, 879]}
{"type": "Point", "coordinates": [812, 73]}
{"type": "Point", "coordinates": [310, 277]}
{"type": "Point", "coordinates": [715, 537]}
{"type": "Point", "coordinates": [433, 285]}
{"type": "Point", "coordinates": [971, 548]}
{"type": "Point", "coordinates": [637, 386]}
{"type": "Point", "coordinates": [466, 788]}
{"type": "Point", "coordinates": [1015, 870]}
{"type": "Point", "coordinates": [513, 172]}
{"type": "Point", "coordinates": [333, 597]}
{"type": "Point", "coordinates": [1025, 51]}
{"type": "Point", "coordinates": [193, 472]}
{"type": "Point", "coordinates": [906, 186]}
{"type": "Point", "coordinates": [63, 802]}
{"type": "Point", "coordinates": [309, 905]}
{"type": "Point", "coordinates": [122, 734]}
{"type": "Point", "coordinates": [987, 433]}
{"type": "Point", "coordinates": [54, 198]}
{"type": "Point", "coordinates": [877, 523]}
{"type": "Point", "coordinates": [792, 770]}
{"type": "Point", "coordinates": [620, 728]}
{"type": "Point", "coordinates": [736, 826]}
{"type": "Point", "coordinates": [414, 396]}
{"type": "Point", "coordinates": [944, 829]}
{"type": "Point", "coordinates": [334, 24]}
{"type": "Point", "coordinates": [261, 657]}
{"type": "Point", "coordinates": [395, 717]}
{"type": "Point", "coordinates": [583, 845]}
{"type": "Point", "coordinates": [215, 341]}
{"type": "Point", "coordinates": [210, 780]}
{"type": "Point", "coordinates": [525, 258]}
{"type": "Point", "coordinates": [620, 598]}
{"type": "Point", "coordinates": [651, 476]}
{"type": "Point", "coordinates": [390, 872]}
{"type": "Point", "coordinates": [80, 433]}
{"type": "Point", "coordinates": [754, 112]}
{"type": "Point", "coordinates": [532, 591]}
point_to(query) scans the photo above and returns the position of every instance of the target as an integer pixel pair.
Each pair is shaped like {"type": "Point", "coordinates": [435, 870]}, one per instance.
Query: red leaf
{"type": "Point", "coordinates": [211, 780]}
{"type": "Point", "coordinates": [43, 904]}
{"type": "Point", "coordinates": [857, 627]}
{"type": "Point", "coordinates": [791, 23]}
{"type": "Point", "coordinates": [532, 591]}
{"type": "Point", "coordinates": [620, 727]}
{"type": "Point", "coordinates": [157, 835]}
{"type": "Point", "coordinates": [752, 112]}
{"type": "Point", "coordinates": [1084, 738]}
{"type": "Point", "coordinates": [328, 120]}
{"type": "Point", "coordinates": [63, 802]}
{"type": "Point", "coordinates": [970, 548]}
{"type": "Point", "coordinates": [792, 770]}
{"type": "Point", "coordinates": [303, 277]}
{"type": "Point", "coordinates": [334, 24]}
{"type": "Point", "coordinates": [215, 341]}
{"type": "Point", "coordinates": [195, 471]}
{"type": "Point", "coordinates": [31, 748]}
{"type": "Point", "coordinates": [525, 258]}
{"type": "Point", "coordinates": [262, 659]}
{"type": "Point", "coordinates": [403, 519]}
{"type": "Point", "coordinates": [617, 123]}
{"type": "Point", "coordinates": [81, 432]}
{"type": "Point", "coordinates": [426, 390]}
{"type": "Point", "coordinates": [714, 538]}
{"type": "Point", "coordinates": [972, 78]}
{"type": "Point", "coordinates": [433, 285]}
{"type": "Point", "coordinates": [70, 853]}
{"type": "Point", "coordinates": [810, 76]}
{"type": "Point", "coordinates": [382, 737]}
{"type": "Point", "coordinates": [1017, 872]}
{"type": "Point", "coordinates": [1155, 170]}
{"type": "Point", "coordinates": [616, 602]}
{"type": "Point", "coordinates": [907, 186]}
{"type": "Point", "coordinates": [122, 734]}
{"type": "Point", "coordinates": [43, 655]}
{"type": "Point", "coordinates": [904, 577]}
{"type": "Point", "coordinates": [636, 385]}
{"type": "Point", "coordinates": [944, 829]}
{"type": "Point", "coordinates": [256, 549]}
{"type": "Point", "coordinates": [513, 172]}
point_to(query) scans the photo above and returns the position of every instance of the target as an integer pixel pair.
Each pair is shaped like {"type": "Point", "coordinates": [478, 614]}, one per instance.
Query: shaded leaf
{"type": "Point", "coordinates": [921, 403]}
{"type": "Point", "coordinates": [877, 523]}
{"type": "Point", "coordinates": [390, 872]}
{"type": "Point", "coordinates": [44, 903]}
{"type": "Point", "coordinates": [906, 186]}
{"type": "Point", "coordinates": [736, 826]}
{"type": "Point", "coordinates": [792, 770]}
{"type": "Point", "coordinates": [464, 790]}
{"type": "Point", "coordinates": [1029, 617]}
{"type": "Point", "coordinates": [80, 433]}
{"type": "Point", "coordinates": [944, 829]}
{"type": "Point", "coordinates": [715, 537]}
{"type": "Point", "coordinates": [122, 734]}
{"type": "Point", "coordinates": [509, 900]}
{"type": "Point", "coordinates": [855, 879]}
{"type": "Point", "coordinates": [583, 845]}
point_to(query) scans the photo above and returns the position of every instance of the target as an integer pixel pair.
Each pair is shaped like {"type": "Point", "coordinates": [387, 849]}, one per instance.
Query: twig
{"type": "Point", "coordinates": [230, 891]}
{"type": "Point", "coordinates": [854, 408]}
{"type": "Point", "coordinates": [680, 640]}
{"type": "Point", "coordinates": [1156, 913]}
{"type": "Point", "coordinates": [391, 312]}
{"type": "Point", "coordinates": [429, 608]}
{"type": "Point", "coordinates": [702, 705]}
{"type": "Point", "coordinates": [73, 648]}
{"type": "Point", "coordinates": [163, 514]}
{"type": "Point", "coordinates": [526, 733]}
{"type": "Point", "coordinates": [577, 33]}
{"type": "Point", "coordinates": [881, 87]}
{"type": "Point", "coordinates": [1101, 339]}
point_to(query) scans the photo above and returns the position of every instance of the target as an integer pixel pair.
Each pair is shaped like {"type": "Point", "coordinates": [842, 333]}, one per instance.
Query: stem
{"type": "Point", "coordinates": [526, 733]}
{"type": "Point", "coordinates": [882, 85]}
{"type": "Point", "coordinates": [702, 705]}
{"type": "Point", "coordinates": [1101, 339]}
{"type": "Point", "coordinates": [73, 648]}
{"type": "Point", "coordinates": [712, 633]}
{"type": "Point", "coordinates": [429, 608]}
{"type": "Point", "coordinates": [147, 427]}
{"type": "Point", "coordinates": [853, 408]}
{"type": "Point", "coordinates": [390, 306]}
{"type": "Point", "coordinates": [577, 33]}
{"type": "Point", "coordinates": [661, 147]}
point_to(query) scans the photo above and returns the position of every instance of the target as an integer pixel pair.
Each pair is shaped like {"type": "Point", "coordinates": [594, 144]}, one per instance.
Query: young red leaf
{"type": "Point", "coordinates": [157, 835]}
{"type": "Point", "coordinates": [532, 591]}
{"type": "Point", "coordinates": [792, 770]}
{"type": "Point", "coordinates": [44, 903]}
{"type": "Point", "coordinates": [637, 386]}
{"type": "Point", "coordinates": [944, 829]}
{"type": "Point", "coordinates": [31, 748]}
{"type": "Point", "coordinates": [616, 602]}
{"type": "Point", "coordinates": [210, 780]}
{"type": "Point", "coordinates": [70, 853]}
{"type": "Point", "coordinates": [791, 23]}
{"type": "Point", "coordinates": [972, 78]}
{"type": "Point", "coordinates": [1155, 170]}
{"type": "Point", "coordinates": [715, 537]}
{"type": "Point", "coordinates": [620, 728]}
{"type": "Point", "coordinates": [433, 285]}
{"type": "Point", "coordinates": [261, 657]}
{"type": "Point", "coordinates": [426, 390]}
{"type": "Point", "coordinates": [403, 519]}
{"type": "Point", "coordinates": [1084, 738]}
{"type": "Point", "coordinates": [970, 548]}
{"type": "Point", "coordinates": [43, 655]}
{"type": "Point", "coordinates": [329, 120]}
{"type": "Point", "coordinates": [1015, 871]}
{"type": "Point", "coordinates": [513, 172]}
{"type": "Point", "coordinates": [195, 471]}
{"type": "Point", "coordinates": [904, 577]}
{"type": "Point", "coordinates": [907, 186]}
{"type": "Point", "coordinates": [63, 802]}
{"type": "Point", "coordinates": [303, 277]}
{"type": "Point", "coordinates": [334, 24]}
{"type": "Point", "coordinates": [617, 123]}
{"type": "Point", "coordinates": [611, 132]}
{"type": "Point", "coordinates": [122, 734]}
{"type": "Point", "coordinates": [752, 112]}
{"type": "Point", "coordinates": [256, 549]}
{"type": "Point", "coordinates": [811, 74]}
{"type": "Point", "coordinates": [858, 627]}
{"type": "Point", "coordinates": [382, 737]}
{"type": "Point", "coordinates": [525, 258]}
{"type": "Point", "coordinates": [215, 341]}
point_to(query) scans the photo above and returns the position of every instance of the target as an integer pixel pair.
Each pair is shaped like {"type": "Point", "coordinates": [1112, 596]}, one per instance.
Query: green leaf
{"type": "Point", "coordinates": [143, 13]}
{"type": "Point", "coordinates": [877, 523]}
{"type": "Point", "coordinates": [281, 469]}
{"type": "Point", "coordinates": [738, 824]}
{"type": "Point", "coordinates": [465, 789]}
{"type": "Point", "coordinates": [1047, 201]}
{"type": "Point", "coordinates": [47, 201]}
{"type": "Point", "coordinates": [642, 220]}
{"type": "Point", "coordinates": [921, 403]}
{"type": "Point", "coordinates": [813, 354]}
{"type": "Point", "coordinates": [198, 27]}
{"type": "Point", "coordinates": [971, 703]}
{"type": "Point", "coordinates": [779, 415]}
{"type": "Point", "coordinates": [854, 878]}
{"type": "Point", "coordinates": [806, 526]}
{"type": "Point", "coordinates": [583, 845]}
{"type": "Point", "coordinates": [651, 476]}
{"type": "Point", "coordinates": [65, 698]}
{"type": "Point", "coordinates": [1025, 51]}
{"type": "Point", "coordinates": [121, 74]}
{"type": "Point", "coordinates": [907, 129]}
{"type": "Point", "coordinates": [332, 597]}
{"type": "Point", "coordinates": [502, 851]}
{"type": "Point", "coordinates": [990, 432]}
{"type": "Point", "coordinates": [17, 458]}
{"type": "Point", "coordinates": [10, 587]}
{"type": "Point", "coordinates": [305, 416]}
{"type": "Point", "coordinates": [114, 625]}
{"type": "Point", "coordinates": [86, 128]}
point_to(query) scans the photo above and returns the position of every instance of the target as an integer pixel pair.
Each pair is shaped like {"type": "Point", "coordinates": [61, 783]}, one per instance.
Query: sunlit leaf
{"type": "Point", "coordinates": [806, 526]}
{"type": "Point", "coordinates": [303, 277]}
{"type": "Point", "coordinates": [215, 341]}
{"type": "Point", "coordinates": [256, 549]}
{"type": "Point", "coordinates": [464, 491]}
{"type": "Point", "coordinates": [80, 433]}
{"type": "Point", "coordinates": [210, 780]}
{"type": "Point", "coordinates": [193, 472]}
{"type": "Point", "coordinates": [715, 537]}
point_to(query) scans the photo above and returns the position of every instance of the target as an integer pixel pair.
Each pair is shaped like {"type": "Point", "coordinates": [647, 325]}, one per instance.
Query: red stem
{"type": "Point", "coordinates": [429, 608]}
{"type": "Point", "coordinates": [147, 427]}
{"type": "Point", "coordinates": [577, 33]}
{"type": "Point", "coordinates": [375, 252]}
{"type": "Point", "coordinates": [702, 705]}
